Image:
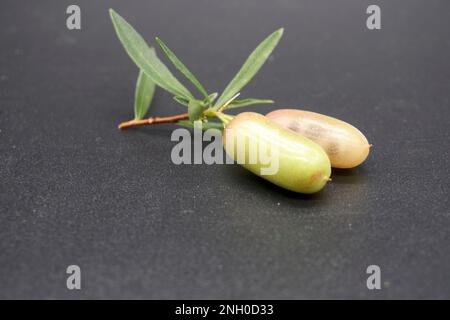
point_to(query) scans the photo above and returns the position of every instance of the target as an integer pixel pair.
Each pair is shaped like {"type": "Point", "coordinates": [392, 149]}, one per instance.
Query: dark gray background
{"type": "Point", "coordinates": [75, 190]}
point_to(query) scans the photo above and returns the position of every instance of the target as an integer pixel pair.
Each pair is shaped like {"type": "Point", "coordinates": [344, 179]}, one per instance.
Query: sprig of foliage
{"type": "Point", "coordinates": [145, 89]}
{"type": "Point", "coordinates": [154, 72]}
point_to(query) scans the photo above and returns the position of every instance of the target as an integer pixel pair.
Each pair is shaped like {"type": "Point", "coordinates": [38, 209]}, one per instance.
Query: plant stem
{"type": "Point", "coordinates": [209, 113]}
{"type": "Point", "coordinates": [153, 120]}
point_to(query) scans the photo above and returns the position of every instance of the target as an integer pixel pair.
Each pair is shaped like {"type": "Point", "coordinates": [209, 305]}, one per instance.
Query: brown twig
{"type": "Point", "coordinates": [153, 120]}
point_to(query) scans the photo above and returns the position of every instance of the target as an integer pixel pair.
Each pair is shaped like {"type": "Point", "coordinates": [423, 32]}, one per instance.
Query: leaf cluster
{"type": "Point", "coordinates": [153, 72]}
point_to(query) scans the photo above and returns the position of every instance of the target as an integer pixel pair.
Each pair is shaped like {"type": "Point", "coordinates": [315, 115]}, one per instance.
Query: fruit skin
{"type": "Point", "coordinates": [303, 166]}
{"type": "Point", "coordinates": [345, 145]}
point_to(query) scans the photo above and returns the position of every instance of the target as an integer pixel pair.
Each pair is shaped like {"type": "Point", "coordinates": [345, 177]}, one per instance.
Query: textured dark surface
{"type": "Point", "coordinates": [75, 190]}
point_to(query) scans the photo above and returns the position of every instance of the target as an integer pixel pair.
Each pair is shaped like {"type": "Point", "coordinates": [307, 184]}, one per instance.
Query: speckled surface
{"type": "Point", "coordinates": [75, 190]}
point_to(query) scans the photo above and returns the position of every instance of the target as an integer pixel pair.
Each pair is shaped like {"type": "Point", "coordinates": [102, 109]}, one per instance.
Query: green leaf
{"type": "Point", "coordinates": [145, 57]}
{"type": "Point", "coordinates": [205, 125]}
{"type": "Point", "coordinates": [180, 100]}
{"type": "Point", "coordinates": [185, 123]}
{"type": "Point", "coordinates": [143, 95]}
{"type": "Point", "coordinates": [195, 109]}
{"type": "Point", "coordinates": [251, 66]}
{"type": "Point", "coordinates": [212, 125]}
{"type": "Point", "coordinates": [246, 102]}
{"type": "Point", "coordinates": [181, 67]}
{"type": "Point", "coordinates": [211, 97]}
{"type": "Point", "coordinates": [198, 124]}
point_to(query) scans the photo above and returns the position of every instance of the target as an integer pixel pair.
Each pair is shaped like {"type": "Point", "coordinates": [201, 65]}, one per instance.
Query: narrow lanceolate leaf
{"type": "Point", "coordinates": [205, 125]}
{"type": "Point", "coordinates": [195, 109]}
{"type": "Point", "coordinates": [182, 101]}
{"type": "Point", "coordinates": [211, 97]}
{"type": "Point", "coordinates": [145, 57]}
{"type": "Point", "coordinates": [245, 103]}
{"type": "Point", "coordinates": [145, 88]}
{"type": "Point", "coordinates": [182, 68]}
{"type": "Point", "coordinates": [251, 66]}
